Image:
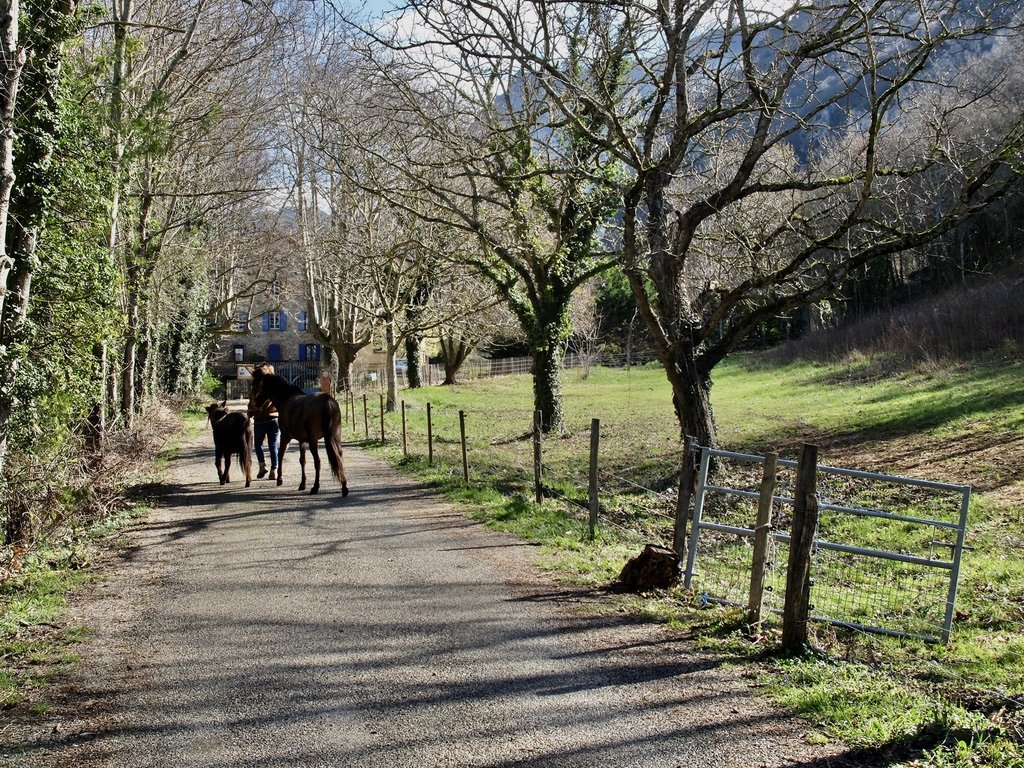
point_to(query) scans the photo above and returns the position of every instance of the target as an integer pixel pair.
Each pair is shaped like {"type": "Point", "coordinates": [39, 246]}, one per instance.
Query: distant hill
{"type": "Point", "coordinates": [983, 317]}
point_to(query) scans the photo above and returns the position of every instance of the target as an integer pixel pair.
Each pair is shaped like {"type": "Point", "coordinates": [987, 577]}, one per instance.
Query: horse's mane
{"type": "Point", "coordinates": [216, 411]}
{"type": "Point", "coordinates": [274, 386]}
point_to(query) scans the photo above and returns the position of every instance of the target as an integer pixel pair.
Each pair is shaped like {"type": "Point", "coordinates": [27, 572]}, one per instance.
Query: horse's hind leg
{"type": "Point", "coordinates": [316, 467]}
{"type": "Point", "coordinates": [221, 471]}
{"type": "Point", "coordinates": [302, 464]}
{"type": "Point", "coordinates": [281, 448]}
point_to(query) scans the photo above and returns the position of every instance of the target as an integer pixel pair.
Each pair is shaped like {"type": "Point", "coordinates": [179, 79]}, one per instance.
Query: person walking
{"type": "Point", "coordinates": [265, 426]}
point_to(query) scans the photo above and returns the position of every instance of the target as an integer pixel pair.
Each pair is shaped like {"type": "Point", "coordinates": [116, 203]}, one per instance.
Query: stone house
{"type": "Point", "coordinates": [275, 328]}
{"type": "Point", "coordinates": [272, 328]}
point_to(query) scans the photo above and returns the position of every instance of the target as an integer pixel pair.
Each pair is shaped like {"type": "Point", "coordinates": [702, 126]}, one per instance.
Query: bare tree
{"type": "Point", "coordinates": [759, 146]}
{"type": "Point", "coordinates": [388, 256]}
{"type": "Point", "coordinates": [584, 342]}
{"type": "Point", "coordinates": [180, 74]}
{"type": "Point", "coordinates": [469, 146]}
{"type": "Point", "coordinates": [460, 336]}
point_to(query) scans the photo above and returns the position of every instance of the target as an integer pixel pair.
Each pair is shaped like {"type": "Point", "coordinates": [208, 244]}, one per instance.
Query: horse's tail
{"type": "Point", "coordinates": [332, 442]}
{"type": "Point", "coordinates": [247, 448]}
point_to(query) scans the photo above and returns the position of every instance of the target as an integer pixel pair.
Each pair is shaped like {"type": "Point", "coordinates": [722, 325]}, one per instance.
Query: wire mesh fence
{"type": "Point", "coordinates": [886, 553]}
{"type": "Point", "coordinates": [373, 378]}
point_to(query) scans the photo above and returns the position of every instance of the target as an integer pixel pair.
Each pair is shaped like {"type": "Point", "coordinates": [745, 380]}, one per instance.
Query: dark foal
{"type": "Point", "coordinates": [232, 435]}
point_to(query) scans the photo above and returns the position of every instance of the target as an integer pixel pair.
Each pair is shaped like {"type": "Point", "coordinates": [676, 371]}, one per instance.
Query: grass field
{"type": "Point", "coordinates": [900, 701]}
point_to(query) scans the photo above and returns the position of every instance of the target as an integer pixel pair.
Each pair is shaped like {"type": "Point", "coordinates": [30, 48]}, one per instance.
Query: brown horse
{"type": "Point", "coordinates": [305, 418]}
{"type": "Point", "coordinates": [232, 434]}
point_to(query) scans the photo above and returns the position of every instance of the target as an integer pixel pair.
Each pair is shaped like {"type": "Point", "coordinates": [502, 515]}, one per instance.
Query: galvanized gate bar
{"type": "Point", "coordinates": [958, 552]}
{"type": "Point", "coordinates": [862, 512]}
{"type": "Point", "coordinates": [881, 554]}
{"type": "Point", "coordinates": [953, 566]}
{"type": "Point", "coordinates": [698, 509]}
{"type": "Point", "coordinates": [825, 468]}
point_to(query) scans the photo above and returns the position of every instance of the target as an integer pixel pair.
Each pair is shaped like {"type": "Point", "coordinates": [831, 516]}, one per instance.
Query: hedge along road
{"type": "Point", "coordinates": [265, 627]}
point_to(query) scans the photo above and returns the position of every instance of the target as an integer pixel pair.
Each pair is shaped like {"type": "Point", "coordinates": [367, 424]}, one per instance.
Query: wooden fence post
{"type": "Point", "coordinates": [366, 417]}
{"type": "Point", "coordinates": [382, 419]}
{"type": "Point", "coordinates": [405, 434]}
{"type": "Point", "coordinates": [595, 442]}
{"type": "Point", "coordinates": [430, 438]}
{"type": "Point", "coordinates": [465, 457]}
{"type": "Point", "coordinates": [687, 481]}
{"type": "Point", "coordinates": [798, 573]}
{"type": "Point", "coordinates": [762, 533]}
{"type": "Point", "coordinates": [538, 490]}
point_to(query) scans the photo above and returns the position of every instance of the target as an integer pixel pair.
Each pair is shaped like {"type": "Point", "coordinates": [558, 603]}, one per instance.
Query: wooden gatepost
{"type": "Point", "coordinates": [798, 574]}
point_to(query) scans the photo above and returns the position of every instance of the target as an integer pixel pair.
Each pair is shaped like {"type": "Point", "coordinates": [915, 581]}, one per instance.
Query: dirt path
{"type": "Point", "coordinates": [264, 627]}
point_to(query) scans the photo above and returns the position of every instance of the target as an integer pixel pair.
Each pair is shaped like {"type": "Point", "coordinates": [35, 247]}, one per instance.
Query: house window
{"type": "Point", "coordinates": [241, 324]}
{"type": "Point", "coordinates": [274, 289]}
{"type": "Point", "coordinates": [309, 352]}
{"type": "Point", "coordinates": [274, 321]}
{"type": "Point", "coordinates": [303, 321]}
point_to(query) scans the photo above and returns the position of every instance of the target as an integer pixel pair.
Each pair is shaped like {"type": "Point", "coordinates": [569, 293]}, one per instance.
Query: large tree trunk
{"type": "Point", "coordinates": [547, 379]}
{"type": "Point", "coordinates": [129, 359]}
{"type": "Point", "coordinates": [413, 350]}
{"type": "Point", "coordinates": [390, 379]}
{"type": "Point", "coordinates": [346, 355]}
{"type": "Point", "coordinates": [142, 259]}
{"type": "Point", "coordinates": [450, 371]}
{"type": "Point", "coordinates": [454, 352]}
{"type": "Point", "coordinates": [96, 426]}
{"type": "Point", "coordinates": [414, 340]}
{"type": "Point", "coordinates": [691, 397]}
{"type": "Point", "coordinates": [12, 62]}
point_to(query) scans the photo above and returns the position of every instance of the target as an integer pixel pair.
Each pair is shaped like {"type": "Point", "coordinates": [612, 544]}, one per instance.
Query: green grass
{"type": "Point", "coordinates": [36, 644]}
{"type": "Point", "coordinates": [33, 645]}
{"type": "Point", "coordinates": [901, 700]}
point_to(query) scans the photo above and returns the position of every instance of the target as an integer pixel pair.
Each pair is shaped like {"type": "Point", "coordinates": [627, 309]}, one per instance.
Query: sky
{"type": "Point", "coordinates": [375, 8]}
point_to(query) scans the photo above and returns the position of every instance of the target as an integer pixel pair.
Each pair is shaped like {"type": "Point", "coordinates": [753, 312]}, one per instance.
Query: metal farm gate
{"type": "Point", "coordinates": [886, 554]}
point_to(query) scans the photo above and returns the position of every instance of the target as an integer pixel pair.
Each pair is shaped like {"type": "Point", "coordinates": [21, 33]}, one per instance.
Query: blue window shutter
{"type": "Point", "coordinates": [284, 325]}
{"type": "Point", "coordinates": [302, 319]}
{"type": "Point", "coordinates": [266, 321]}
{"type": "Point", "coordinates": [274, 353]}
{"type": "Point", "coordinates": [302, 352]}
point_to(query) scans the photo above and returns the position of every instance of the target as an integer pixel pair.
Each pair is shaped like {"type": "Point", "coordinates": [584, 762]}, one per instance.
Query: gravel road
{"type": "Point", "coordinates": [264, 627]}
